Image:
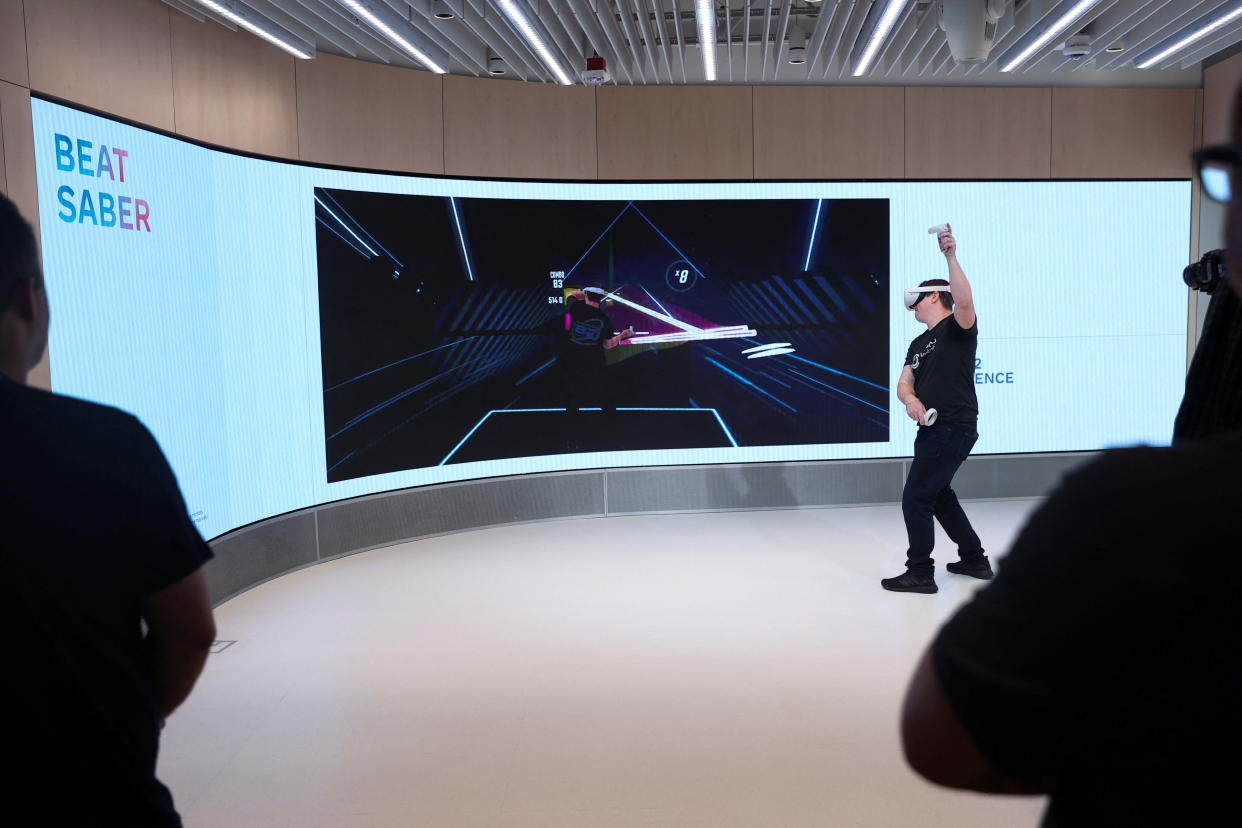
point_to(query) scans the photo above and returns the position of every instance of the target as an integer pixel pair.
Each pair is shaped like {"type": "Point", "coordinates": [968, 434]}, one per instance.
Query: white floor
{"type": "Point", "coordinates": [731, 669]}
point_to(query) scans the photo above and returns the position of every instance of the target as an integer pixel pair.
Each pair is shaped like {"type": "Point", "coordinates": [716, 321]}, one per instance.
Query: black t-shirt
{"type": "Point", "coordinates": [943, 361]}
{"type": "Point", "coordinates": [1105, 652]}
{"type": "Point", "coordinates": [582, 331]}
{"type": "Point", "coordinates": [91, 521]}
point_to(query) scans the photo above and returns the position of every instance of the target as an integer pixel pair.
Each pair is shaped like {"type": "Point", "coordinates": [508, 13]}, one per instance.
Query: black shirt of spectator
{"type": "Point", "coordinates": [92, 522]}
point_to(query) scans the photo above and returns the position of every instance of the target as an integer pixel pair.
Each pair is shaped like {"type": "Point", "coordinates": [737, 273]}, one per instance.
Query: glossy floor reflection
{"type": "Point", "coordinates": [728, 669]}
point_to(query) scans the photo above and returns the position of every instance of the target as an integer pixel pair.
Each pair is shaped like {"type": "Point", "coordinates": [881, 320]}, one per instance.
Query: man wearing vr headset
{"type": "Point", "coordinates": [584, 335]}
{"type": "Point", "coordinates": [938, 390]}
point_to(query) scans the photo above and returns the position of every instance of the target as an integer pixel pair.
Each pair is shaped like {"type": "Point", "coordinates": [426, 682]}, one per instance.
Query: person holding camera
{"type": "Point", "coordinates": [939, 374]}
{"type": "Point", "coordinates": [1100, 666]}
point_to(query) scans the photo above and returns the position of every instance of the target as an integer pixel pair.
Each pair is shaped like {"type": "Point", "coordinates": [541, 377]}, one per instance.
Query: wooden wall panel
{"type": "Point", "coordinates": [518, 130]}
{"type": "Point", "coordinates": [233, 89]}
{"type": "Point", "coordinates": [13, 43]}
{"type": "Point", "coordinates": [17, 138]}
{"type": "Point", "coordinates": [977, 132]}
{"type": "Point", "coordinates": [112, 55]}
{"type": "Point", "coordinates": [1221, 82]}
{"type": "Point", "coordinates": [1122, 133]}
{"type": "Point", "coordinates": [676, 132]}
{"type": "Point", "coordinates": [4, 180]}
{"type": "Point", "coordinates": [358, 114]}
{"type": "Point", "coordinates": [829, 132]}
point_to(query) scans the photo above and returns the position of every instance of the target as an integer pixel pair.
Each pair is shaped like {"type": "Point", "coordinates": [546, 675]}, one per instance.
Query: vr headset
{"type": "Point", "coordinates": [915, 293]}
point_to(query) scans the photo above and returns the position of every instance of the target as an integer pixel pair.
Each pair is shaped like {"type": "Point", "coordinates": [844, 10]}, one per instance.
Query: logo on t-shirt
{"type": "Point", "coordinates": [587, 332]}
{"type": "Point", "coordinates": [914, 362]}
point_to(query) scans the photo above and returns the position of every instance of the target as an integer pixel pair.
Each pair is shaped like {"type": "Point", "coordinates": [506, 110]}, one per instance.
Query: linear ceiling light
{"type": "Point", "coordinates": [522, 23]}
{"type": "Point", "coordinates": [1076, 11]}
{"type": "Point", "coordinates": [409, 48]}
{"type": "Point", "coordinates": [270, 32]}
{"type": "Point", "coordinates": [705, 16]}
{"type": "Point", "coordinates": [1201, 30]}
{"type": "Point", "coordinates": [884, 24]}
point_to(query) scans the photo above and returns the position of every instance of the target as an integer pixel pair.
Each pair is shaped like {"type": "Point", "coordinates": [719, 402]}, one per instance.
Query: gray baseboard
{"type": "Point", "coordinates": [270, 548]}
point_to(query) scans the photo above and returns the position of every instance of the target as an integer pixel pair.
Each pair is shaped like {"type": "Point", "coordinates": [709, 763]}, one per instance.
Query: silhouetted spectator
{"type": "Point", "coordinates": [106, 616]}
{"type": "Point", "coordinates": [1101, 665]}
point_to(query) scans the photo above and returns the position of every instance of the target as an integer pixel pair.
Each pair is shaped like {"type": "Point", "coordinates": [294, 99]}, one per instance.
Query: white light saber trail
{"type": "Point", "coordinates": [767, 347]}
{"type": "Point", "coordinates": [663, 317]}
{"type": "Point", "coordinates": [712, 333]}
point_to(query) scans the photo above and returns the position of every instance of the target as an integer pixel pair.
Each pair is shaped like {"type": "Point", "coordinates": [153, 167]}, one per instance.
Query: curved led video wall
{"type": "Point", "coordinates": [295, 335]}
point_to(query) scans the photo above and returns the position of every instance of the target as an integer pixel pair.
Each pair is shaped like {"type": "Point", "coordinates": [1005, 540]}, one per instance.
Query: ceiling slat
{"type": "Point", "coordinates": [746, 45]}
{"type": "Point", "coordinates": [815, 43]}
{"type": "Point", "coordinates": [565, 35]}
{"type": "Point", "coordinates": [840, 21]}
{"type": "Point", "coordinates": [1157, 28]}
{"type": "Point", "coordinates": [637, 9]}
{"type": "Point", "coordinates": [931, 58]}
{"type": "Point", "coordinates": [666, 41]}
{"type": "Point", "coordinates": [645, 41]}
{"type": "Point", "coordinates": [767, 33]}
{"type": "Point", "coordinates": [898, 37]}
{"type": "Point", "coordinates": [1216, 42]}
{"type": "Point", "coordinates": [1109, 27]}
{"type": "Point", "coordinates": [464, 47]}
{"type": "Point", "coordinates": [499, 34]}
{"type": "Point", "coordinates": [632, 38]}
{"type": "Point", "coordinates": [782, 47]}
{"type": "Point", "coordinates": [850, 37]}
{"type": "Point", "coordinates": [335, 19]}
{"type": "Point", "coordinates": [924, 30]}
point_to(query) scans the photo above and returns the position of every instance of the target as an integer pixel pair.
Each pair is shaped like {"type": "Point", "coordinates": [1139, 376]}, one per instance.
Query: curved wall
{"type": "Point", "coordinates": [141, 60]}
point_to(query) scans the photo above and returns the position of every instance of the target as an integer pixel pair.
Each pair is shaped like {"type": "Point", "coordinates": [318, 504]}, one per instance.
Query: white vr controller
{"type": "Point", "coordinates": [914, 294]}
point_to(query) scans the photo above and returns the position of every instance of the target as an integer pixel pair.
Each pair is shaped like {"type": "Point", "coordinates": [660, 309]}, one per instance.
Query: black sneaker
{"type": "Point", "coordinates": [978, 568]}
{"type": "Point", "coordinates": [909, 582]}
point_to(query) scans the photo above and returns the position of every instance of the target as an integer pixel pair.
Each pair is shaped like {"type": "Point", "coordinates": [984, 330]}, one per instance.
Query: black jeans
{"type": "Point", "coordinates": [938, 452]}
{"type": "Point", "coordinates": [586, 387]}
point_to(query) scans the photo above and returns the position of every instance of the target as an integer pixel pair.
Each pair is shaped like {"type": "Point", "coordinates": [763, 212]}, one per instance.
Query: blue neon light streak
{"type": "Point", "coordinates": [461, 237]}
{"type": "Point", "coordinates": [663, 309]}
{"type": "Point", "coordinates": [470, 433]}
{"type": "Point", "coordinates": [832, 294]}
{"type": "Point", "coordinates": [363, 229]}
{"type": "Point", "coordinates": [536, 371]}
{"type": "Point", "coordinates": [728, 433]}
{"type": "Point", "coordinates": [743, 379]}
{"type": "Point", "coordinates": [667, 239]}
{"type": "Point", "coordinates": [375, 409]}
{"type": "Point", "coordinates": [838, 390]}
{"type": "Point", "coordinates": [398, 362]}
{"type": "Point", "coordinates": [342, 460]}
{"type": "Point", "coordinates": [570, 272]}
{"type": "Point", "coordinates": [810, 294]}
{"type": "Point", "coordinates": [810, 245]}
{"type": "Point", "coordinates": [343, 224]}
{"type": "Point", "coordinates": [826, 368]}
{"type": "Point", "coordinates": [839, 373]}
{"type": "Point", "coordinates": [351, 245]}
